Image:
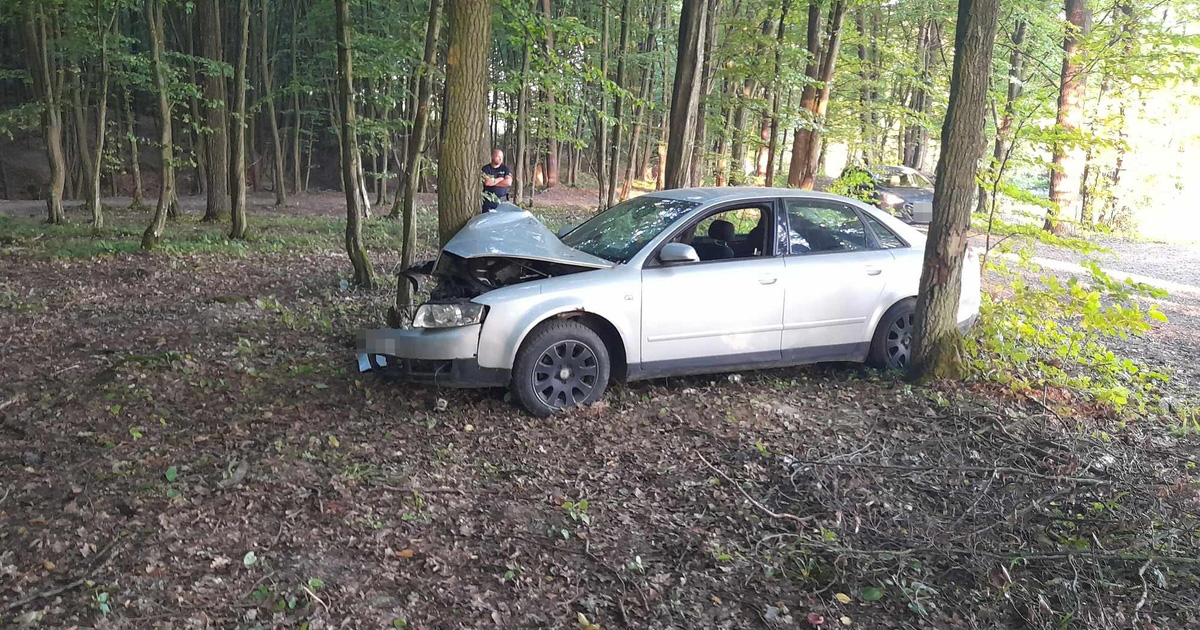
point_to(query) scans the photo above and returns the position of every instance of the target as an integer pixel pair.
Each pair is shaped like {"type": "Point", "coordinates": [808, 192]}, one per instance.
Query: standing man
{"type": "Point", "coordinates": [497, 179]}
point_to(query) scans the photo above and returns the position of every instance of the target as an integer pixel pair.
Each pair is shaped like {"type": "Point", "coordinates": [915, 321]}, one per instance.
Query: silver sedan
{"type": "Point", "coordinates": [675, 282]}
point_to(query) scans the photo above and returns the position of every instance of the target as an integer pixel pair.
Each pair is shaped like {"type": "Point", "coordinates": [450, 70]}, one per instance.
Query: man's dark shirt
{"type": "Point", "coordinates": [497, 171]}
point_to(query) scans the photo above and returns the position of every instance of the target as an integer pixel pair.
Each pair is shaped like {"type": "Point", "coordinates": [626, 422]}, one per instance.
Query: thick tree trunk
{"type": "Point", "coordinates": [280, 183]}
{"type": "Point", "coordinates": [773, 145]}
{"type": "Point", "coordinates": [700, 130]}
{"type": "Point", "coordinates": [618, 107]}
{"type": "Point", "coordinates": [1066, 176]}
{"type": "Point", "coordinates": [460, 195]}
{"type": "Point", "coordinates": [238, 126]}
{"type": "Point", "coordinates": [166, 193]}
{"type": "Point", "coordinates": [551, 126]}
{"type": "Point", "coordinates": [47, 86]}
{"type": "Point", "coordinates": [364, 276]}
{"type": "Point", "coordinates": [216, 146]}
{"type": "Point", "coordinates": [685, 94]}
{"type": "Point", "coordinates": [935, 337]}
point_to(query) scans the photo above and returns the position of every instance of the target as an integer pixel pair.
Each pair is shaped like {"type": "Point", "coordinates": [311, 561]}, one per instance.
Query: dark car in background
{"type": "Point", "coordinates": [901, 191]}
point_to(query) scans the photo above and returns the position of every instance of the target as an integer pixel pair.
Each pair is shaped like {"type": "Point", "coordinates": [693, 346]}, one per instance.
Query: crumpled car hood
{"type": "Point", "coordinates": [510, 232]}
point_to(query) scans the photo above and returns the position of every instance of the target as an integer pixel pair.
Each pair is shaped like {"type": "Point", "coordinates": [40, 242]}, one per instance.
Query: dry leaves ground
{"type": "Point", "coordinates": [184, 444]}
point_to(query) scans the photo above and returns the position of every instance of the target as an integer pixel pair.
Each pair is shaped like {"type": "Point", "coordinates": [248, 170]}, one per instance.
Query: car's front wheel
{"type": "Point", "coordinates": [891, 347]}
{"type": "Point", "coordinates": [561, 364]}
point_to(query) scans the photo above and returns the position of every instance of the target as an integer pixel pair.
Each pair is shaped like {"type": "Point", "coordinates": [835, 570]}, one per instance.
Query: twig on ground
{"type": "Point", "coordinates": [105, 556]}
{"type": "Point", "coordinates": [315, 598]}
{"type": "Point", "coordinates": [4, 405]}
{"type": "Point", "coordinates": [1007, 555]}
{"type": "Point", "coordinates": [1145, 585]}
{"type": "Point", "coordinates": [972, 469]}
{"type": "Point", "coordinates": [768, 512]}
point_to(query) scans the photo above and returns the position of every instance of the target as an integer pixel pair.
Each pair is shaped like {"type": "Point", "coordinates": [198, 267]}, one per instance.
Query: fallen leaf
{"type": "Point", "coordinates": [30, 617]}
{"type": "Point", "coordinates": [845, 620]}
{"type": "Point", "coordinates": [405, 553]}
{"type": "Point", "coordinates": [48, 564]}
{"type": "Point", "coordinates": [842, 597]}
{"type": "Point", "coordinates": [220, 561]}
{"type": "Point", "coordinates": [815, 620]}
{"type": "Point", "coordinates": [249, 559]}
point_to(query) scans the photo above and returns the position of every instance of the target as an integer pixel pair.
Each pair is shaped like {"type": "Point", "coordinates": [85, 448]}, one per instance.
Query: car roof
{"type": "Point", "coordinates": [733, 193]}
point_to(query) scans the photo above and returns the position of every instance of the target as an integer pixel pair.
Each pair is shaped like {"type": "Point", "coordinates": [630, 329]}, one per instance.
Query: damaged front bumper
{"type": "Point", "coordinates": [444, 356]}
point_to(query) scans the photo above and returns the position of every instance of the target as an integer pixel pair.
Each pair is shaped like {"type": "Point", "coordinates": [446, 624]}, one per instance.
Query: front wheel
{"type": "Point", "coordinates": [891, 347]}
{"type": "Point", "coordinates": [562, 364]}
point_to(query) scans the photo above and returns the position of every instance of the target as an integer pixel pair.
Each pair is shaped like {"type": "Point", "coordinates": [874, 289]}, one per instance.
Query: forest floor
{"type": "Point", "coordinates": [184, 443]}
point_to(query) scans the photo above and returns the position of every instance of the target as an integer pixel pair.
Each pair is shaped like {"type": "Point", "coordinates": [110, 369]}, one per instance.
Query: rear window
{"type": "Point", "coordinates": [887, 238]}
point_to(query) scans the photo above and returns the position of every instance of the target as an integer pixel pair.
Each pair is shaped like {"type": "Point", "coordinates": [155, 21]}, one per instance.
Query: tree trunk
{"type": "Point", "coordinates": [521, 172]}
{"type": "Point", "coordinates": [551, 127]}
{"type": "Point", "coordinates": [699, 141]}
{"type": "Point", "coordinates": [135, 162]}
{"type": "Point", "coordinates": [916, 135]}
{"type": "Point", "coordinates": [279, 184]}
{"type": "Point", "coordinates": [1066, 174]}
{"type": "Point", "coordinates": [776, 88]}
{"type": "Point", "coordinates": [460, 195]}
{"type": "Point", "coordinates": [1016, 78]}
{"type": "Point", "coordinates": [935, 334]}
{"type": "Point", "coordinates": [364, 276]}
{"type": "Point", "coordinates": [614, 162]}
{"type": "Point", "coordinates": [416, 142]}
{"type": "Point", "coordinates": [216, 145]}
{"type": "Point", "coordinates": [601, 125]}
{"type": "Point", "coordinates": [47, 86]}
{"type": "Point", "coordinates": [238, 126]}
{"type": "Point", "coordinates": [297, 117]}
{"type": "Point", "coordinates": [806, 144]}
{"type": "Point", "coordinates": [91, 175]}
{"type": "Point", "coordinates": [685, 93]}
{"type": "Point", "coordinates": [166, 193]}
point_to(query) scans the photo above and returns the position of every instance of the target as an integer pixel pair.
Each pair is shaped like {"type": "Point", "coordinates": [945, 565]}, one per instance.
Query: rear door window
{"type": "Point", "coordinates": [817, 227]}
{"type": "Point", "coordinates": [887, 238]}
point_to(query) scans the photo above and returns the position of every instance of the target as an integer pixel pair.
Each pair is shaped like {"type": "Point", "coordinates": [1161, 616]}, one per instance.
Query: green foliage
{"type": "Point", "coordinates": [854, 183]}
{"type": "Point", "coordinates": [1037, 332]}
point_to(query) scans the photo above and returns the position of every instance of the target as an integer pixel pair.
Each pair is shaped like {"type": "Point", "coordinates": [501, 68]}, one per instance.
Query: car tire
{"type": "Point", "coordinates": [891, 345]}
{"type": "Point", "coordinates": [561, 364]}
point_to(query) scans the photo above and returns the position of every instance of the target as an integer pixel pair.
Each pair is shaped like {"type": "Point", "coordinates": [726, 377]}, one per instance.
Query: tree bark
{"type": "Point", "coordinates": [1016, 78]}
{"type": "Point", "coordinates": [297, 117]}
{"type": "Point", "coordinates": [460, 195]}
{"type": "Point", "coordinates": [91, 176]}
{"type": "Point", "coordinates": [936, 336]}
{"type": "Point", "coordinates": [237, 173]}
{"type": "Point", "coordinates": [776, 87]}
{"type": "Point", "coordinates": [135, 164]}
{"type": "Point", "coordinates": [47, 86]}
{"type": "Point", "coordinates": [916, 134]}
{"type": "Point", "coordinates": [280, 183]}
{"type": "Point", "coordinates": [618, 106]}
{"type": "Point", "coordinates": [551, 126]}
{"type": "Point", "coordinates": [1066, 176]}
{"type": "Point", "coordinates": [601, 125]}
{"type": "Point", "coordinates": [520, 172]}
{"type": "Point", "coordinates": [806, 144]}
{"type": "Point", "coordinates": [416, 141]}
{"type": "Point", "coordinates": [166, 195]}
{"type": "Point", "coordinates": [699, 140]}
{"type": "Point", "coordinates": [216, 146]}
{"type": "Point", "coordinates": [685, 93]}
{"type": "Point", "coordinates": [364, 276]}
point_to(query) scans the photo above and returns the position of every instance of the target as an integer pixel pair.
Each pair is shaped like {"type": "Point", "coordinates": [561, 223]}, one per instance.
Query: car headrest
{"type": "Point", "coordinates": [721, 230]}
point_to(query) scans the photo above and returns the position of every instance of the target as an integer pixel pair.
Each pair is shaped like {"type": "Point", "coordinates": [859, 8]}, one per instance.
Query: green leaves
{"type": "Point", "coordinates": [171, 474]}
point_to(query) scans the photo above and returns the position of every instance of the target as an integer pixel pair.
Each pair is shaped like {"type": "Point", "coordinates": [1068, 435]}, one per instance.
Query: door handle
{"type": "Point", "coordinates": [874, 271]}
{"type": "Point", "coordinates": [768, 279]}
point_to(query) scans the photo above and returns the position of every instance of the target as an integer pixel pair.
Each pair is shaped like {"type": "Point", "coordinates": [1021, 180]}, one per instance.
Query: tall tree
{"type": "Point", "coordinates": [159, 68]}
{"type": "Point", "coordinates": [48, 81]}
{"type": "Point", "coordinates": [216, 146]}
{"type": "Point", "coordinates": [601, 112]}
{"type": "Point", "coordinates": [135, 165]}
{"type": "Point", "coordinates": [775, 90]}
{"type": "Point", "coordinates": [685, 93]}
{"type": "Point", "coordinates": [1066, 176]}
{"type": "Point", "coordinates": [614, 161]}
{"type": "Point", "coordinates": [550, 123]}
{"type": "Point", "coordinates": [520, 172]}
{"type": "Point", "coordinates": [460, 196]}
{"type": "Point", "coordinates": [237, 174]}
{"type": "Point", "coordinates": [935, 335]}
{"type": "Point", "coordinates": [412, 166]}
{"type": "Point", "coordinates": [806, 142]}
{"type": "Point", "coordinates": [268, 98]}
{"type": "Point", "coordinates": [364, 276]}
{"type": "Point", "coordinates": [1004, 130]}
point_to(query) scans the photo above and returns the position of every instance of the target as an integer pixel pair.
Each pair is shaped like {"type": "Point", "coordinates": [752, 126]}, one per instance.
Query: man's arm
{"type": "Point", "coordinates": [508, 181]}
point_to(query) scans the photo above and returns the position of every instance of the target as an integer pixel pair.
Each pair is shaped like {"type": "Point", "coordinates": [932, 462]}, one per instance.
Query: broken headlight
{"type": "Point", "coordinates": [448, 315]}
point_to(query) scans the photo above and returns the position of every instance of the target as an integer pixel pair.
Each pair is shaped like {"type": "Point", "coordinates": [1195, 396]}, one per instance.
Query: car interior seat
{"type": "Point", "coordinates": [721, 232]}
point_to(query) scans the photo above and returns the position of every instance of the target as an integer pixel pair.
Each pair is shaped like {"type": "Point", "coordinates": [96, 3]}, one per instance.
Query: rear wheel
{"type": "Point", "coordinates": [891, 347]}
{"type": "Point", "coordinates": [562, 364]}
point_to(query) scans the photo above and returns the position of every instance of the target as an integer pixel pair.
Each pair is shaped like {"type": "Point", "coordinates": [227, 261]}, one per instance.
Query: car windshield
{"type": "Point", "coordinates": [619, 233]}
{"type": "Point", "coordinates": [903, 179]}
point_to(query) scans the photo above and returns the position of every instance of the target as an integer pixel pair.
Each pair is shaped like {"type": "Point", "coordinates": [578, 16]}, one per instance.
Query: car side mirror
{"type": "Point", "coordinates": [673, 253]}
{"type": "Point", "coordinates": [566, 229]}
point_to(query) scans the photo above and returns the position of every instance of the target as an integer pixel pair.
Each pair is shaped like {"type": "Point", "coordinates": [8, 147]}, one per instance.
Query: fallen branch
{"type": "Point", "coordinates": [107, 555]}
{"type": "Point", "coordinates": [1007, 555]}
{"type": "Point", "coordinates": [768, 512]}
{"type": "Point", "coordinates": [969, 469]}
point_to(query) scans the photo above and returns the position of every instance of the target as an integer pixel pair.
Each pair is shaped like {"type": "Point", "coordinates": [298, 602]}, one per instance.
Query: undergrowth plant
{"type": "Point", "coordinates": [1037, 331]}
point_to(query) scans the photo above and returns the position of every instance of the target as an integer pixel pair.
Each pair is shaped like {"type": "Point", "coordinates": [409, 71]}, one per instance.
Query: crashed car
{"type": "Point", "coordinates": [674, 282]}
